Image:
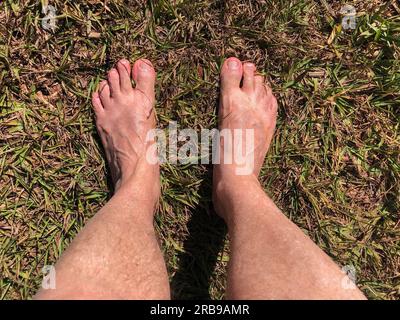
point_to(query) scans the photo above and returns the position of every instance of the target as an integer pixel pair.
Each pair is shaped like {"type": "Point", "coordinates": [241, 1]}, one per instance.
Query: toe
{"type": "Point", "coordinates": [113, 81]}
{"type": "Point", "coordinates": [273, 102]}
{"type": "Point", "coordinates": [124, 70]}
{"type": "Point", "coordinates": [259, 80]}
{"type": "Point", "coordinates": [104, 93]}
{"type": "Point", "coordinates": [96, 103]}
{"type": "Point", "coordinates": [248, 77]}
{"type": "Point", "coordinates": [259, 85]}
{"type": "Point", "coordinates": [145, 77]}
{"type": "Point", "coordinates": [268, 89]}
{"type": "Point", "coordinates": [231, 73]}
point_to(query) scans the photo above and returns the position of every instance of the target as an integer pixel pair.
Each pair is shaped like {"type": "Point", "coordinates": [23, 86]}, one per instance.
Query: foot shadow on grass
{"type": "Point", "coordinates": [201, 248]}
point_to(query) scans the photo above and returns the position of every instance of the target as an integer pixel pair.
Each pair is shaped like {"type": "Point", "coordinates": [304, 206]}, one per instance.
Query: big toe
{"type": "Point", "coordinates": [231, 73]}
{"type": "Point", "coordinates": [145, 77]}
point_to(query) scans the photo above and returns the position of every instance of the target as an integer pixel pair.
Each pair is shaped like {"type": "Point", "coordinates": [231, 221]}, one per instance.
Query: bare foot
{"type": "Point", "coordinates": [124, 116]}
{"type": "Point", "coordinates": [250, 106]}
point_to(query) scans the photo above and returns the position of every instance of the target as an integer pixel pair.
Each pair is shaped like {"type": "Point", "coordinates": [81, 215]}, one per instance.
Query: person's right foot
{"type": "Point", "coordinates": [250, 106]}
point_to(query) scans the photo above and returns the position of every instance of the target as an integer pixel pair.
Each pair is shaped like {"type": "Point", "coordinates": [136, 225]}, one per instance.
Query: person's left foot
{"type": "Point", "coordinates": [124, 116]}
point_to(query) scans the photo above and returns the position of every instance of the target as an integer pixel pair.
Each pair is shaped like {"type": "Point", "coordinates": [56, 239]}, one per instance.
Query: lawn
{"type": "Point", "coordinates": [333, 168]}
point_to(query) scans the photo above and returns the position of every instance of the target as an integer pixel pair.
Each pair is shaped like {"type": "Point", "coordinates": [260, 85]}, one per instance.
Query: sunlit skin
{"type": "Point", "coordinates": [271, 258]}
{"type": "Point", "coordinates": [116, 255]}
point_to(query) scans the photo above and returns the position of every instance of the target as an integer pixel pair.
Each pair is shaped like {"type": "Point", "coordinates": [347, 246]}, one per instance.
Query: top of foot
{"type": "Point", "coordinates": [124, 116]}
{"type": "Point", "coordinates": [246, 103]}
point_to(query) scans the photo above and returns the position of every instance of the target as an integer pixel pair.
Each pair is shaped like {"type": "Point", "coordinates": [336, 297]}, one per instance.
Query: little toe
{"type": "Point", "coordinates": [268, 89]}
{"type": "Point", "coordinates": [105, 94]}
{"type": "Point", "coordinates": [259, 80]}
{"type": "Point", "coordinates": [272, 101]}
{"type": "Point", "coordinates": [124, 70]}
{"type": "Point", "coordinates": [231, 73]}
{"type": "Point", "coordinates": [248, 77]}
{"type": "Point", "coordinates": [145, 77]}
{"type": "Point", "coordinates": [260, 85]}
{"type": "Point", "coordinates": [96, 103]}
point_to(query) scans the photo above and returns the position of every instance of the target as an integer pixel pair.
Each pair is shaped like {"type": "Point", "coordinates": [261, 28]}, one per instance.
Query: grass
{"type": "Point", "coordinates": [334, 167]}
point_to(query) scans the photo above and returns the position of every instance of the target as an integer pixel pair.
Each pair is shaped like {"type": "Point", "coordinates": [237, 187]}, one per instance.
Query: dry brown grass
{"type": "Point", "coordinates": [333, 168]}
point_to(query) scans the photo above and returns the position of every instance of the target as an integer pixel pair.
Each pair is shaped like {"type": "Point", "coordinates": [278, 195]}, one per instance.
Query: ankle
{"type": "Point", "coordinates": [141, 186]}
{"type": "Point", "coordinates": [228, 182]}
{"type": "Point", "coordinates": [227, 189]}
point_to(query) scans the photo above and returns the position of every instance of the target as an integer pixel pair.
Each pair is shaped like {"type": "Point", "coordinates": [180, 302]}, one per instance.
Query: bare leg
{"type": "Point", "coordinates": [116, 255]}
{"type": "Point", "coordinates": [271, 257]}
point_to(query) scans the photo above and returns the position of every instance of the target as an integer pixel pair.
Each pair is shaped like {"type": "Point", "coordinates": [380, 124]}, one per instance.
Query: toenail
{"type": "Point", "coordinates": [144, 66]}
{"type": "Point", "coordinates": [233, 64]}
{"type": "Point", "coordinates": [249, 66]}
